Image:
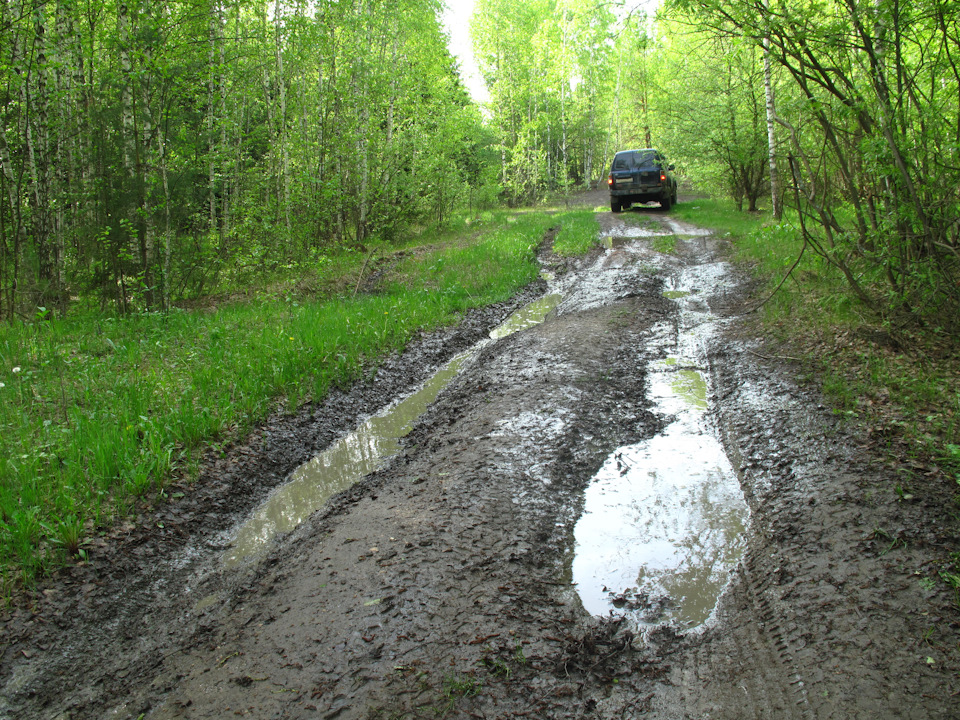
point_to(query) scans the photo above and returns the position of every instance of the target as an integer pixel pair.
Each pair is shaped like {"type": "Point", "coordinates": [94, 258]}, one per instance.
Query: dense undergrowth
{"type": "Point", "coordinates": [97, 411]}
{"type": "Point", "coordinates": [900, 379]}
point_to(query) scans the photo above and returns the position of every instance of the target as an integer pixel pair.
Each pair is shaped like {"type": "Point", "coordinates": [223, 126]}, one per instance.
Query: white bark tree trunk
{"type": "Point", "coordinates": [284, 149]}
{"type": "Point", "coordinates": [775, 195]}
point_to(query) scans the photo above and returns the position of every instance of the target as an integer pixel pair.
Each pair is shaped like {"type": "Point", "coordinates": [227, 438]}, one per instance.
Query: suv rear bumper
{"type": "Point", "coordinates": [642, 194]}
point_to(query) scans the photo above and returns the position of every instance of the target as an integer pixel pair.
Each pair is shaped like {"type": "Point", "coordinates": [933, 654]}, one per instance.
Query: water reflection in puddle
{"type": "Point", "coordinates": [663, 520]}
{"type": "Point", "coordinates": [363, 451]}
{"type": "Point", "coordinates": [624, 232]}
{"type": "Point", "coordinates": [338, 467]}
{"type": "Point", "coordinates": [527, 316]}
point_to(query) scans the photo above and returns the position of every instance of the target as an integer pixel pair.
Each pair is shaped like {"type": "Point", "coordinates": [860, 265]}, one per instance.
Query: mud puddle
{"type": "Point", "coordinates": [644, 226]}
{"type": "Point", "coordinates": [663, 522]}
{"type": "Point", "coordinates": [361, 452]}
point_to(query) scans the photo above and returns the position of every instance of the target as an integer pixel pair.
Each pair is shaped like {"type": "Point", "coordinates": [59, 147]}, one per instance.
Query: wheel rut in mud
{"type": "Point", "coordinates": [443, 583]}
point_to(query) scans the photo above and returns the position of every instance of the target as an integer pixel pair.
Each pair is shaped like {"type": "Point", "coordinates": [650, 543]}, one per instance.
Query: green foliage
{"type": "Point", "coordinates": [199, 149]}
{"type": "Point", "coordinates": [899, 383]}
{"type": "Point", "coordinates": [97, 411]}
{"type": "Point", "coordinates": [707, 112]}
{"type": "Point", "coordinates": [867, 109]}
{"type": "Point", "coordinates": [545, 63]}
{"type": "Point", "coordinates": [720, 215]}
{"type": "Point", "coordinates": [579, 231]}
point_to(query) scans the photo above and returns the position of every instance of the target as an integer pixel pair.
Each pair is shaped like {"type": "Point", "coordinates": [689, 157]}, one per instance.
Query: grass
{"type": "Point", "coordinates": [666, 244]}
{"type": "Point", "coordinates": [98, 411]}
{"type": "Point", "coordinates": [578, 232]}
{"type": "Point", "coordinates": [718, 214]}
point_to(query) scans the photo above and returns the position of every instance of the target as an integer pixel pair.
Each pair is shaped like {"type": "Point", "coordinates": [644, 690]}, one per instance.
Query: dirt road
{"type": "Point", "coordinates": [631, 509]}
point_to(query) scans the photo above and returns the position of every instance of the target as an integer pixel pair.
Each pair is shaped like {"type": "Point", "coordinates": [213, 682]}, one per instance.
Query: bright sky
{"type": "Point", "coordinates": [456, 20]}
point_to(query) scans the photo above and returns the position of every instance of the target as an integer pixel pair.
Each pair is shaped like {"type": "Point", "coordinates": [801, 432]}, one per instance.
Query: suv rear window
{"type": "Point", "coordinates": [631, 159]}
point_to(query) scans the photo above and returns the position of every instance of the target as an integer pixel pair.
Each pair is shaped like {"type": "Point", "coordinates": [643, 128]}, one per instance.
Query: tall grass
{"type": "Point", "coordinates": [579, 231]}
{"type": "Point", "coordinates": [96, 411]}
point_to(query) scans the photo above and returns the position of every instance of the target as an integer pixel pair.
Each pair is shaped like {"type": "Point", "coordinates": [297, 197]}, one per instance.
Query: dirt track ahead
{"type": "Point", "coordinates": [456, 580]}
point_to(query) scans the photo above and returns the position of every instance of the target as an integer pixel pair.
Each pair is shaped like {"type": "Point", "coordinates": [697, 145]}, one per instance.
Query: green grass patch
{"type": "Point", "coordinates": [97, 411]}
{"type": "Point", "coordinates": [579, 231]}
{"type": "Point", "coordinates": [666, 244]}
{"type": "Point", "coordinates": [720, 215]}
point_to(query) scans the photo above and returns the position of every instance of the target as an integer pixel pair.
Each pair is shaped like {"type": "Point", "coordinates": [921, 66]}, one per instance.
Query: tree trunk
{"type": "Point", "coordinates": [128, 129]}
{"type": "Point", "coordinates": [284, 149]}
{"type": "Point", "coordinates": [167, 230]}
{"type": "Point", "coordinates": [9, 179]}
{"type": "Point", "coordinates": [775, 197]}
{"type": "Point", "coordinates": [213, 39]}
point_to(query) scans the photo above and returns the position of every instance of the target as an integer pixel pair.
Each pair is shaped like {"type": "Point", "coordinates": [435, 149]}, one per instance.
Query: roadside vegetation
{"type": "Point", "coordinates": [99, 410]}
{"type": "Point", "coordinates": [577, 232]}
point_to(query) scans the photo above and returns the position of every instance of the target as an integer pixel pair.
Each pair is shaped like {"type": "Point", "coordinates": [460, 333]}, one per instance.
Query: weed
{"type": "Point", "coordinates": [69, 534]}
{"type": "Point", "coordinates": [456, 687]}
{"type": "Point", "coordinates": [666, 244]}
{"type": "Point", "coordinates": [497, 667]}
{"type": "Point", "coordinates": [461, 686]}
{"type": "Point", "coordinates": [895, 543]}
{"type": "Point", "coordinates": [950, 579]}
{"type": "Point", "coordinates": [518, 655]}
{"type": "Point", "coordinates": [903, 493]}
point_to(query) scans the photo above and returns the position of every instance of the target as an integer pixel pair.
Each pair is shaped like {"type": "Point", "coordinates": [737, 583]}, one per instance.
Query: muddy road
{"type": "Point", "coordinates": [628, 509]}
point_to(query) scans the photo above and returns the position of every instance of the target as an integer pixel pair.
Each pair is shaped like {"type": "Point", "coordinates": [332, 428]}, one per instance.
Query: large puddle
{"type": "Point", "coordinates": [361, 452]}
{"type": "Point", "coordinates": [663, 520]}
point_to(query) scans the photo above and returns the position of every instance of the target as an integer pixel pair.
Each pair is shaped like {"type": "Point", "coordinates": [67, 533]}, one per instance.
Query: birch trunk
{"type": "Point", "coordinates": [11, 178]}
{"type": "Point", "coordinates": [284, 149]}
{"type": "Point", "coordinates": [775, 196]}
{"type": "Point", "coordinates": [35, 106]}
{"type": "Point", "coordinates": [167, 231]}
{"type": "Point", "coordinates": [213, 39]}
{"type": "Point", "coordinates": [67, 155]}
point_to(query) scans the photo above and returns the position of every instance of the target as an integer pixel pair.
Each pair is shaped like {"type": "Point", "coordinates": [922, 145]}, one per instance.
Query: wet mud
{"type": "Point", "coordinates": [623, 506]}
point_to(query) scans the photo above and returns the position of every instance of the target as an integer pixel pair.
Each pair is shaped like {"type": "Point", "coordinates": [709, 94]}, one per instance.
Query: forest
{"type": "Point", "coordinates": [157, 151]}
{"type": "Point", "coordinates": [163, 156]}
{"type": "Point", "coordinates": [845, 112]}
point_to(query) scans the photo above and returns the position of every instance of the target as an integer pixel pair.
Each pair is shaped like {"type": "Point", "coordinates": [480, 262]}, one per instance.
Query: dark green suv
{"type": "Point", "coordinates": [639, 176]}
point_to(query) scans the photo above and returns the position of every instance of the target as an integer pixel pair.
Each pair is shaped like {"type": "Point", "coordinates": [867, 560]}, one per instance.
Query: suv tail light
{"type": "Point", "coordinates": [610, 180]}
{"type": "Point", "coordinates": [663, 177]}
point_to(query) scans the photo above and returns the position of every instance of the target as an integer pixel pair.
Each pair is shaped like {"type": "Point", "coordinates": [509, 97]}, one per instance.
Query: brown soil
{"type": "Point", "coordinates": [439, 586]}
